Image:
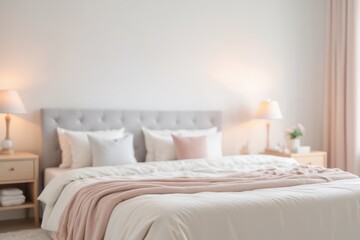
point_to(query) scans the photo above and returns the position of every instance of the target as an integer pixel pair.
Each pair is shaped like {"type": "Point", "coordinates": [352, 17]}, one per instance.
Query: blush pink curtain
{"type": "Point", "coordinates": [341, 107]}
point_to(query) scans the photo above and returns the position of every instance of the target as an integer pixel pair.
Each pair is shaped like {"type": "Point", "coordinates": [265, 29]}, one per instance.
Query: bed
{"type": "Point", "coordinates": [322, 210]}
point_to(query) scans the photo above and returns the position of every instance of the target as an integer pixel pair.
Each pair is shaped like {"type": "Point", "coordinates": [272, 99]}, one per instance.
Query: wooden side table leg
{"type": "Point", "coordinates": [36, 215]}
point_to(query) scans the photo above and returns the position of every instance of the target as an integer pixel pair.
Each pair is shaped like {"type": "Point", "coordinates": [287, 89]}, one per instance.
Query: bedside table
{"type": "Point", "coordinates": [311, 158]}
{"type": "Point", "coordinates": [21, 170]}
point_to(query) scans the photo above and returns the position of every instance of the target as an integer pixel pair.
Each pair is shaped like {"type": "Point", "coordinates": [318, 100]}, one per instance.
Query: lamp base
{"type": "Point", "coordinates": [7, 147]}
{"type": "Point", "coordinates": [7, 152]}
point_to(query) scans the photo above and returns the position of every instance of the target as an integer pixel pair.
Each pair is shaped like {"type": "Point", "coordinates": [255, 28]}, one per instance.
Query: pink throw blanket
{"type": "Point", "coordinates": [87, 214]}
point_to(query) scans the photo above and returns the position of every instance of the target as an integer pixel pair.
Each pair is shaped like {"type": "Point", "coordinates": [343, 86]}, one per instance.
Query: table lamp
{"type": "Point", "coordinates": [269, 110]}
{"type": "Point", "coordinates": [10, 102]}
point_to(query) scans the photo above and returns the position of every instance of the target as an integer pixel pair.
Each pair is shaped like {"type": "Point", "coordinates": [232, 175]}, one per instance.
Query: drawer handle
{"type": "Point", "coordinates": [309, 163]}
{"type": "Point", "coordinates": [12, 169]}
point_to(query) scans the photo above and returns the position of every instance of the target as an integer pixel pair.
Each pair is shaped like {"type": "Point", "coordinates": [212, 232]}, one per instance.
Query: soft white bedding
{"type": "Point", "coordinates": [51, 173]}
{"type": "Point", "coordinates": [317, 211]}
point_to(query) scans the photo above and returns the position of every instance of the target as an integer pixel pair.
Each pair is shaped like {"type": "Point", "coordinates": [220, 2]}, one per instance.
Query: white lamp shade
{"type": "Point", "coordinates": [10, 102]}
{"type": "Point", "coordinates": [269, 109]}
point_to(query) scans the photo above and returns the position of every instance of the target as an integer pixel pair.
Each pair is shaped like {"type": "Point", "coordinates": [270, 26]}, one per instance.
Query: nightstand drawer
{"type": "Point", "coordinates": [14, 170]}
{"type": "Point", "coordinates": [312, 160]}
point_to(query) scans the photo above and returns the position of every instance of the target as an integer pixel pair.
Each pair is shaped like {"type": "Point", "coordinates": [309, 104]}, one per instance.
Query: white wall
{"type": "Point", "coordinates": [163, 54]}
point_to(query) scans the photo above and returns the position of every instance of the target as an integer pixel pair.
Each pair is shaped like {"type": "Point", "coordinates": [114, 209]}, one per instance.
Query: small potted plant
{"type": "Point", "coordinates": [294, 134]}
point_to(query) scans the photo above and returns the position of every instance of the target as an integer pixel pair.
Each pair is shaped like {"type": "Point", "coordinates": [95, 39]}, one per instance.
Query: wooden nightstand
{"type": "Point", "coordinates": [21, 170]}
{"type": "Point", "coordinates": [311, 158]}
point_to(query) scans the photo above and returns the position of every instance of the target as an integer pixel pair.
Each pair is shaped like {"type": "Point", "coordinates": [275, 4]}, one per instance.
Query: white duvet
{"type": "Point", "coordinates": [315, 212]}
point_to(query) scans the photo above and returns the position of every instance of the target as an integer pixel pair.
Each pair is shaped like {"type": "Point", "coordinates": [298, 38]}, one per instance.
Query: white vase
{"type": "Point", "coordinates": [294, 144]}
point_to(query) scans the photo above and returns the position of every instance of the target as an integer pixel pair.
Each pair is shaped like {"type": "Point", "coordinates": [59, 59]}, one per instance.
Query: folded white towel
{"type": "Point", "coordinates": [10, 198]}
{"type": "Point", "coordinates": [10, 192]}
{"type": "Point", "coordinates": [12, 202]}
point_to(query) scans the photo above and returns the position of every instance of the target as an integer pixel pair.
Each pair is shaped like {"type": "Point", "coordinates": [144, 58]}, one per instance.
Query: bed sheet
{"type": "Point", "coordinates": [51, 173]}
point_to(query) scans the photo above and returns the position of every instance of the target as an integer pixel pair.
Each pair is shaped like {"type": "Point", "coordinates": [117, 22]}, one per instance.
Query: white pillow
{"type": "Point", "coordinates": [160, 146]}
{"type": "Point", "coordinates": [80, 146]}
{"type": "Point", "coordinates": [110, 152]}
{"type": "Point", "coordinates": [65, 148]}
{"type": "Point", "coordinates": [214, 145]}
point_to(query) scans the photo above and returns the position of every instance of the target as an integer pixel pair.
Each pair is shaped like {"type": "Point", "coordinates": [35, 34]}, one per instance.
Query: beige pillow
{"type": "Point", "coordinates": [190, 147]}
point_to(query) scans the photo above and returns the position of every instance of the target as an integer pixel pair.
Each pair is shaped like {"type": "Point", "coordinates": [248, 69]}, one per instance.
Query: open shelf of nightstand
{"type": "Point", "coordinates": [27, 204]}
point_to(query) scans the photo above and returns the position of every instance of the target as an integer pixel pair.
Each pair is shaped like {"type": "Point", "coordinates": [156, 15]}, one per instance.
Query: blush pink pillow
{"type": "Point", "coordinates": [190, 147]}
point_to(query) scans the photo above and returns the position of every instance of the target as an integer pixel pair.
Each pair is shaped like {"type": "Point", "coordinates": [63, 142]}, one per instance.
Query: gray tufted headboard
{"type": "Point", "coordinates": [132, 121]}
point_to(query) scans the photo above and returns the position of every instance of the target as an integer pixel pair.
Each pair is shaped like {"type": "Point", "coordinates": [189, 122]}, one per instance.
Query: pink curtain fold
{"type": "Point", "coordinates": [342, 106]}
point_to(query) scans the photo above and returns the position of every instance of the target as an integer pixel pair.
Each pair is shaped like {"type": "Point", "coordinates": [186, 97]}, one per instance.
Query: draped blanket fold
{"type": "Point", "coordinates": [87, 214]}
